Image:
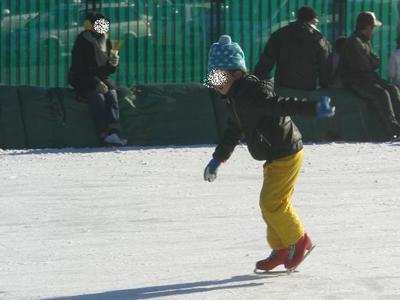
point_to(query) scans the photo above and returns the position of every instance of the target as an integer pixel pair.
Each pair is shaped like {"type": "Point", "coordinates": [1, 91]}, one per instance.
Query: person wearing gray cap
{"type": "Point", "coordinates": [358, 70]}
{"type": "Point", "coordinates": [299, 52]}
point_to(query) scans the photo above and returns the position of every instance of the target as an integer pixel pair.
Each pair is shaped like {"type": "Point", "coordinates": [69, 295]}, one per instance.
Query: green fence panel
{"type": "Point", "coordinates": [169, 114]}
{"type": "Point", "coordinates": [36, 40]}
{"type": "Point", "coordinates": [164, 41]}
{"type": "Point", "coordinates": [12, 135]}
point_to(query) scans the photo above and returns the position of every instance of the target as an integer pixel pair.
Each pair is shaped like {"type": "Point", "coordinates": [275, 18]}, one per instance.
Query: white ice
{"type": "Point", "coordinates": [89, 224]}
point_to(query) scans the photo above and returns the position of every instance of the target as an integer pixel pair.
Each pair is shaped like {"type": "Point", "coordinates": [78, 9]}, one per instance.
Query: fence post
{"type": "Point", "coordinates": [93, 5]}
{"type": "Point", "coordinates": [218, 17]}
{"type": "Point", "coordinates": [339, 9]}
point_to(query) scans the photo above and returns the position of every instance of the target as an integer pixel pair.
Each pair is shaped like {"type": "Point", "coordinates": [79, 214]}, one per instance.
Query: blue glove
{"type": "Point", "coordinates": [210, 172]}
{"type": "Point", "coordinates": [324, 108]}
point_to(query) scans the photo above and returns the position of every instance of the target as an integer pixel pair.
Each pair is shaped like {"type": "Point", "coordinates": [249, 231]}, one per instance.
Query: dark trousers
{"type": "Point", "coordinates": [106, 111]}
{"type": "Point", "coordinates": [385, 97]}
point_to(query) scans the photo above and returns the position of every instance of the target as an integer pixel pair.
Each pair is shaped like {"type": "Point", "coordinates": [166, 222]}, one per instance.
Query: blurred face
{"type": "Point", "coordinates": [369, 31]}
{"type": "Point", "coordinates": [222, 80]}
{"type": "Point", "coordinates": [314, 21]}
{"type": "Point", "coordinates": [101, 26]}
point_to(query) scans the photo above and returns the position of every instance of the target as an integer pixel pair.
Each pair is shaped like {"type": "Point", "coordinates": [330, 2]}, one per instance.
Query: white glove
{"type": "Point", "coordinates": [102, 87]}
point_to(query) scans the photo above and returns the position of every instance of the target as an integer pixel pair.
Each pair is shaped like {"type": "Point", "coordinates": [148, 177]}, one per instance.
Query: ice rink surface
{"type": "Point", "coordinates": [140, 223]}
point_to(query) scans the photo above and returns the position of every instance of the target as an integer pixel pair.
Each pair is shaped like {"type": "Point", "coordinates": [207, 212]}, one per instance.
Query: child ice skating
{"type": "Point", "coordinates": [262, 118]}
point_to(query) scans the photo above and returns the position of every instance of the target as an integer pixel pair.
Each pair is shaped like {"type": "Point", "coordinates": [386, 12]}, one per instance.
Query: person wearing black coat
{"type": "Point", "coordinates": [93, 61]}
{"type": "Point", "coordinates": [299, 52]}
{"type": "Point", "coordinates": [263, 120]}
{"type": "Point", "coordinates": [358, 70]}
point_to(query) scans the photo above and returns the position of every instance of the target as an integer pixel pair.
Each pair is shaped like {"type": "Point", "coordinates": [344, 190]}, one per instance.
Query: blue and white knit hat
{"type": "Point", "coordinates": [225, 55]}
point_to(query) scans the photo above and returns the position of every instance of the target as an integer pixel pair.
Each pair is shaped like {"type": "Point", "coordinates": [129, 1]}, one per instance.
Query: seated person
{"type": "Point", "coordinates": [357, 68]}
{"type": "Point", "coordinates": [93, 61]}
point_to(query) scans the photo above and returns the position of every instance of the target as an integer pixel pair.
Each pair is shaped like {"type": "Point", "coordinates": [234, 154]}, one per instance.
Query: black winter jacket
{"type": "Point", "coordinates": [300, 53]}
{"type": "Point", "coordinates": [89, 65]}
{"type": "Point", "coordinates": [263, 120]}
{"type": "Point", "coordinates": [358, 62]}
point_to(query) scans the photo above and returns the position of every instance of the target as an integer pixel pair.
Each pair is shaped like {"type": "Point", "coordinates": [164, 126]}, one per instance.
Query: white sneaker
{"type": "Point", "coordinates": [114, 140]}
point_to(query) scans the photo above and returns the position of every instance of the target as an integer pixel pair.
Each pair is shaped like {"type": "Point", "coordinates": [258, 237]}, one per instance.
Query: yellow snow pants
{"type": "Point", "coordinates": [284, 227]}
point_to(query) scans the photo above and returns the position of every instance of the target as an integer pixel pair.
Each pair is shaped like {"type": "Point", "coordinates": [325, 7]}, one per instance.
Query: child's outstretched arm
{"type": "Point", "coordinates": [261, 101]}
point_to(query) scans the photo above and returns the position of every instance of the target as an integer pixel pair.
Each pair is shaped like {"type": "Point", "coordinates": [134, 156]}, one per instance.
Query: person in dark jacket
{"type": "Point", "coordinates": [299, 52]}
{"type": "Point", "coordinates": [93, 61]}
{"type": "Point", "coordinates": [357, 69]}
{"type": "Point", "coordinates": [262, 118]}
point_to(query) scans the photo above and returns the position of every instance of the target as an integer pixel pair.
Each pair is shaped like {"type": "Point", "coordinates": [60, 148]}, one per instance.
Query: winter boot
{"type": "Point", "coordinates": [276, 258]}
{"type": "Point", "coordinates": [297, 252]}
{"type": "Point", "coordinates": [113, 139]}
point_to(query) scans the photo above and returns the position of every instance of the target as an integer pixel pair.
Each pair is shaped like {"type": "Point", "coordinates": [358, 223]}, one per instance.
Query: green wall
{"type": "Point", "coordinates": [161, 114]}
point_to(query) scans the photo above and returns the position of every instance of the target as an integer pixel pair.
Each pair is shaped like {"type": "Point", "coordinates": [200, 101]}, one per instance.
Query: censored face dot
{"type": "Point", "coordinates": [217, 78]}
{"type": "Point", "coordinates": [101, 26]}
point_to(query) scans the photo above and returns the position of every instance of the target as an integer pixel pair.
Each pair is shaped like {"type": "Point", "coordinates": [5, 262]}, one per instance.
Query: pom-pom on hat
{"type": "Point", "coordinates": [226, 55]}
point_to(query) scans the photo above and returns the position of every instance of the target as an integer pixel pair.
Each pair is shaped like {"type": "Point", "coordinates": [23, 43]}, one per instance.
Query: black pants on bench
{"type": "Point", "coordinates": [106, 111]}
{"type": "Point", "coordinates": [385, 97]}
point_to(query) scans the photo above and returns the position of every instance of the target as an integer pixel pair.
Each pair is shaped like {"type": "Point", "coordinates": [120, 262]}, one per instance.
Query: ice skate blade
{"type": "Point", "coordinates": [291, 270]}
{"type": "Point", "coordinates": [271, 272]}
{"type": "Point", "coordinates": [113, 145]}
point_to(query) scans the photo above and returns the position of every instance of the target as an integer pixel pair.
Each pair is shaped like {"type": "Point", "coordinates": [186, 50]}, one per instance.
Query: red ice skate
{"type": "Point", "coordinates": [276, 258]}
{"type": "Point", "coordinates": [298, 252]}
